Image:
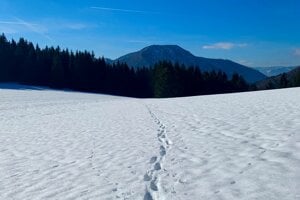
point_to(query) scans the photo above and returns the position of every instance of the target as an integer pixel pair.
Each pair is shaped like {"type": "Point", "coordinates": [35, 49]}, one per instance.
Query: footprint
{"type": "Point", "coordinates": [157, 166]}
{"type": "Point", "coordinates": [148, 196]}
{"type": "Point", "coordinates": [182, 181]}
{"type": "Point", "coordinates": [162, 151]}
{"type": "Point", "coordinates": [148, 176]}
{"type": "Point", "coordinates": [161, 140]}
{"type": "Point", "coordinates": [153, 185]}
{"type": "Point", "coordinates": [153, 159]}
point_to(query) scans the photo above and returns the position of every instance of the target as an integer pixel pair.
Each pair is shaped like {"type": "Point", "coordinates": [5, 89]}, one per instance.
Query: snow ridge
{"type": "Point", "coordinates": [152, 176]}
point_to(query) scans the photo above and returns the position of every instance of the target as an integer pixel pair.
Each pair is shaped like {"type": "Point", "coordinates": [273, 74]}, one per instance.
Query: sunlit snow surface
{"type": "Point", "coordinates": [68, 145]}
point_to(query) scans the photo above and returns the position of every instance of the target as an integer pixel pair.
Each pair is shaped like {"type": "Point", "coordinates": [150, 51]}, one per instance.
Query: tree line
{"type": "Point", "coordinates": [284, 80]}
{"type": "Point", "coordinates": [26, 63]}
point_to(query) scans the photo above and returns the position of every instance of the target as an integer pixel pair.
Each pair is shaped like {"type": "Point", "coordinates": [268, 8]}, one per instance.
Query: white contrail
{"type": "Point", "coordinates": [123, 10]}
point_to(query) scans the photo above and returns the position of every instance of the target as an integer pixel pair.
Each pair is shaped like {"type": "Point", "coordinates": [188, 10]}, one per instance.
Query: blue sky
{"type": "Point", "coordinates": [251, 32]}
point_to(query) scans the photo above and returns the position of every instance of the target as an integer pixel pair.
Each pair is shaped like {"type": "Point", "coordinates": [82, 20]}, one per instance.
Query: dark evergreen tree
{"type": "Point", "coordinates": [283, 81]}
{"type": "Point", "coordinates": [296, 81]}
{"type": "Point", "coordinates": [25, 63]}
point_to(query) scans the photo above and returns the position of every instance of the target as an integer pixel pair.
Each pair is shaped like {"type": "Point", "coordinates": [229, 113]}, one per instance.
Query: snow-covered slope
{"type": "Point", "coordinates": [67, 145]}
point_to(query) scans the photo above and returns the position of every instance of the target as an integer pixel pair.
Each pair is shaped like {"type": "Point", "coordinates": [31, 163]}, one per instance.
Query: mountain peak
{"type": "Point", "coordinates": [167, 52]}
{"type": "Point", "coordinates": [168, 46]}
{"type": "Point", "coordinates": [162, 46]}
{"type": "Point", "coordinates": [151, 55]}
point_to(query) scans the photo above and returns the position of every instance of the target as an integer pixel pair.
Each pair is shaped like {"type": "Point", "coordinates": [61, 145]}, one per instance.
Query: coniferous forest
{"type": "Point", "coordinates": [26, 63]}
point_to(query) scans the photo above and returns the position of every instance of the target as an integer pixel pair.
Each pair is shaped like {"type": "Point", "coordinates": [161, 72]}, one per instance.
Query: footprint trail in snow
{"type": "Point", "coordinates": [152, 176]}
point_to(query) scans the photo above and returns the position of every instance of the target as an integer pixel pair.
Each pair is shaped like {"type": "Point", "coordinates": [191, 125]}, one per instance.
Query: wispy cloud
{"type": "Point", "coordinates": [11, 27]}
{"type": "Point", "coordinates": [7, 30]}
{"type": "Point", "coordinates": [123, 10]}
{"type": "Point", "coordinates": [297, 52]}
{"type": "Point", "coordinates": [76, 26]}
{"type": "Point", "coordinates": [34, 28]}
{"type": "Point", "coordinates": [20, 25]}
{"type": "Point", "coordinates": [224, 45]}
{"type": "Point", "coordinates": [15, 23]}
{"type": "Point", "coordinates": [245, 62]}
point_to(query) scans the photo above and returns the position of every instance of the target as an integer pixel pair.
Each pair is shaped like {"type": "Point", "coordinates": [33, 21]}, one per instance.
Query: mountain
{"type": "Point", "coordinates": [274, 71]}
{"type": "Point", "coordinates": [153, 54]}
{"type": "Point", "coordinates": [109, 61]}
{"type": "Point", "coordinates": [289, 79]}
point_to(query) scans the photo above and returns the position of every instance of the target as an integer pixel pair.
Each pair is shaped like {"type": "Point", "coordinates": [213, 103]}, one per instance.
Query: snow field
{"type": "Point", "coordinates": [68, 145]}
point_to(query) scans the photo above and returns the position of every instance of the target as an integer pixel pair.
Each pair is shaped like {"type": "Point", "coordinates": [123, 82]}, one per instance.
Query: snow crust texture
{"type": "Point", "coordinates": [68, 145]}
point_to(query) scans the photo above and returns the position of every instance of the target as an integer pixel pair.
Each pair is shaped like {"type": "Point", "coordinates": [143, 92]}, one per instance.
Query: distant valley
{"type": "Point", "coordinates": [284, 80]}
{"type": "Point", "coordinates": [274, 71]}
